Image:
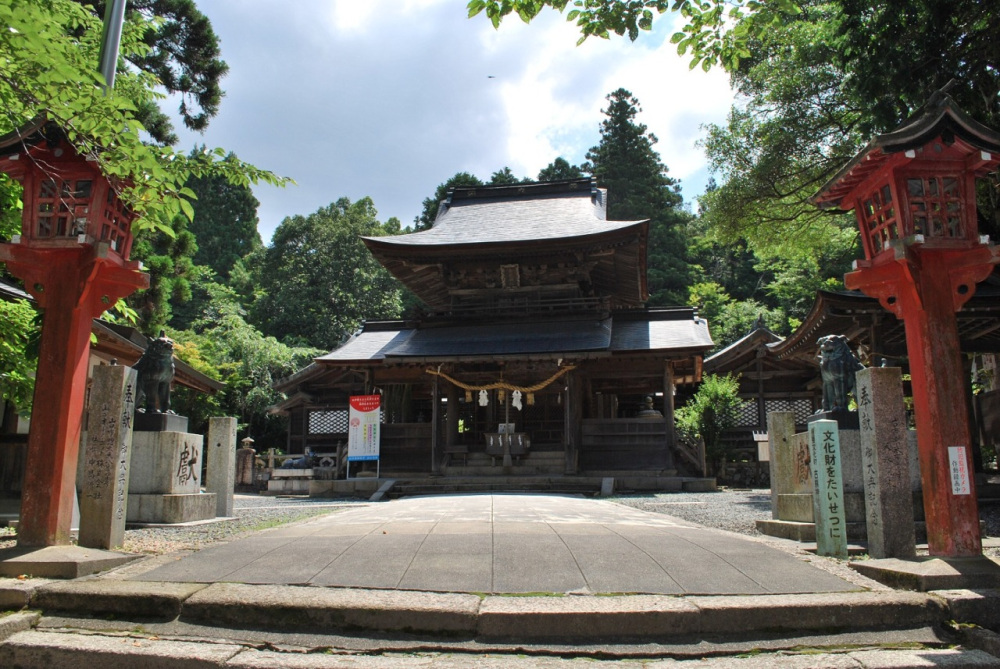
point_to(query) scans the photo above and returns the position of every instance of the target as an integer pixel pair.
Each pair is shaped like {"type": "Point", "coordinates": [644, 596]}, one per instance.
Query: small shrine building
{"type": "Point", "coordinates": [536, 325]}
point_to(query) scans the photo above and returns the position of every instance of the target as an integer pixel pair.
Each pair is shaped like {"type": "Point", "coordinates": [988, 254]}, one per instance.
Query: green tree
{"type": "Point", "coordinates": [730, 319]}
{"type": "Point", "coordinates": [818, 86]}
{"type": "Point", "coordinates": [717, 31]}
{"type": "Point", "coordinates": [431, 204]}
{"type": "Point", "coordinates": [558, 170]}
{"type": "Point", "coordinates": [183, 54]}
{"type": "Point", "coordinates": [317, 280]}
{"type": "Point", "coordinates": [224, 346]}
{"type": "Point", "coordinates": [224, 223]}
{"type": "Point", "coordinates": [713, 410]}
{"type": "Point", "coordinates": [169, 261]}
{"type": "Point", "coordinates": [626, 164]}
{"type": "Point", "coordinates": [49, 51]}
{"type": "Point", "coordinates": [18, 352]}
{"type": "Point", "coordinates": [505, 177]}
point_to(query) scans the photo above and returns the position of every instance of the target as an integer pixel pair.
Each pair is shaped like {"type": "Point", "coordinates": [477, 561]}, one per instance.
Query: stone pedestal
{"type": "Point", "coordinates": [106, 457]}
{"type": "Point", "coordinates": [789, 467]}
{"type": "Point", "coordinates": [167, 464]}
{"type": "Point", "coordinates": [245, 458]}
{"type": "Point", "coordinates": [885, 458]}
{"type": "Point", "coordinates": [794, 501]}
{"type": "Point", "coordinates": [221, 454]}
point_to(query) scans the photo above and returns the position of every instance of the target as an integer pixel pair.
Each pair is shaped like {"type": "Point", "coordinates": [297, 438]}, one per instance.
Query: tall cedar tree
{"type": "Point", "coordinates": [638, 188]}
{"type": "Point", "coordinates": [317, 280]}
{"type": "Point", "coordinates": [184, 55]}
{"type": "Point", "coordinates": [225, 223]}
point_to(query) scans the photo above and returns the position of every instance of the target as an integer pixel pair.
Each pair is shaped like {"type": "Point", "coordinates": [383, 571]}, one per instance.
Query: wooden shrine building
{"type": "Point", "coordinates": [536, 326]}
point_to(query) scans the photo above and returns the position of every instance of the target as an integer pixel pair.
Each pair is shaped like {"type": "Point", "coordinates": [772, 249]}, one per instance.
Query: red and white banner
{"type": "Point", "coordinates": [363, 430]}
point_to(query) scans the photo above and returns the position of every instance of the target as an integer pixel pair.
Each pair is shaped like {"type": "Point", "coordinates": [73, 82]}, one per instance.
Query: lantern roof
{"type": "Point", "coordinates": [939, 117]}
{"type": "Point", "coordinates": [28, 135]}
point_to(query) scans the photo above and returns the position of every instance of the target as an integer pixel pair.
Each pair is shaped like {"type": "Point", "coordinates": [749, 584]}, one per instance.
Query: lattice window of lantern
{"type": "Point", "coordinates": [936, 206]}
{"type": "Point", "coordinates": [880, 218]}
{"type": "Point", "coordinates": [63, 207]}
{"type": "Point", "coordinates": [328, 422]}
{"type": "Point", "coordinates": [746, 415]}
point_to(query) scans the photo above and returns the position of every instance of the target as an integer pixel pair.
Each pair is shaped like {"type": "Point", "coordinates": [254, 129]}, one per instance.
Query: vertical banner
{"type": "Point", "coordinates": [363, 430]}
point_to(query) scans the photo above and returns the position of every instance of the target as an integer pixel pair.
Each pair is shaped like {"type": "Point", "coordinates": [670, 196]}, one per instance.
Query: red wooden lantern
{"type": "Point", "coordinates": [67, 200]}
{"type": "Point", "coordinates": [913, 191]}
{"type": "Point", "coordinates": [72, 255]}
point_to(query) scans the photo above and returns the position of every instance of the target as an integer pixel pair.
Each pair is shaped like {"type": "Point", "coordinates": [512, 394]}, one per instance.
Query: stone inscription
{"type": "Point", "coordinates": [187, 468]}
{"type": "Point", "coordinates": [831, 521]}
{"type": "Point", "coordinates": [124, 442]}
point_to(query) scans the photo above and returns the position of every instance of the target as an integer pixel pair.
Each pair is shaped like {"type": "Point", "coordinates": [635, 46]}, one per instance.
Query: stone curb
{"type": "Point", "coordinates": [17, 622]}
{"type": "Point", "coordinates": [639, 617]}
{"type": "Point", "coordinates": [125, 598]}
{"type": "Point", "coordinates": [60, 650]}
{"type": "Point", "coordinates": [300, 608]}
{"type": "Point", "coordinates": [311, 608]}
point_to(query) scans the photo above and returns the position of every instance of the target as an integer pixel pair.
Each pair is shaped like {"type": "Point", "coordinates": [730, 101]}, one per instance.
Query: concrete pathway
{"type": "Point", "coordinates": [505, 544]}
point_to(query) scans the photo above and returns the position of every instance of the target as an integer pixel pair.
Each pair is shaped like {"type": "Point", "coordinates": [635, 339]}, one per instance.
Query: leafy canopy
{"type": "Point", "coordinates": [49, 53]}
{"type": "Point", "coordinates": [182, 54]}
{"type": "Point", "coordinates": [317, 281]}
{"type": "Point", "coordinates": [717, 32]}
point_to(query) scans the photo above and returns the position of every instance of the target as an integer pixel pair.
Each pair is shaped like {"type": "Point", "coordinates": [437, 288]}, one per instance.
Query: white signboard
{"type": "Point", "coordinates": [959, 471]}
{"type": "Point", "coordinates": [363, 430]}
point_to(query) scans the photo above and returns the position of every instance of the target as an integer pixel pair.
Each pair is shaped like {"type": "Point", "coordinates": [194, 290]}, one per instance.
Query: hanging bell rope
{"type": "Point", "coordinates": [501, 384]}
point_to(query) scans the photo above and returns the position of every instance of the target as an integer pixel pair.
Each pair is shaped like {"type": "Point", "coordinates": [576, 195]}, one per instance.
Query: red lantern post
{"type": "Point", "coordinates": [913, 191]}
{"type": "Point", "coordinates": [72, 255]}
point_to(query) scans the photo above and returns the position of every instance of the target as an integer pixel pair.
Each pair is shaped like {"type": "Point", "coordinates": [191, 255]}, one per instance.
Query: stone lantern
{"type": "Point", "coordinates": [72, 255]}
{"type": "Point", "coordinates": [913, 192]}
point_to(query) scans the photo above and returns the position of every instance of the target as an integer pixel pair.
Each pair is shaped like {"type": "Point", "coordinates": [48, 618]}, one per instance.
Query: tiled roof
{"type": "Point", "coordinates": [528, 218]}
{"type": "Point", "coordinates": [647, 331]}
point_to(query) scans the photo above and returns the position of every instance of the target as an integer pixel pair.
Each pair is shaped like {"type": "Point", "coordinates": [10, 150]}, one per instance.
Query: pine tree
{"type": "Point", "coordinates": [638, 188]}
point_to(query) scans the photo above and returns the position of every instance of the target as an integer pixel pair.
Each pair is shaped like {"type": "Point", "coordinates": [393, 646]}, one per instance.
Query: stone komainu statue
{"type": "Point", "coordinates": [156, 373]}
{"type": "Point", "coordinates": [837, 366]}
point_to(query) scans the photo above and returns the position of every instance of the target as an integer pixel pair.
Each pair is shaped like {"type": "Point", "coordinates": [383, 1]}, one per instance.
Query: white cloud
{"type": "Point", "coordinates": [388, 98]}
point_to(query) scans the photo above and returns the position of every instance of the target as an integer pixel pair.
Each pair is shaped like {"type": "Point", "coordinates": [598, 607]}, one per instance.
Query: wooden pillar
{"type": "Point", "coordinates": [761, 405]}
{"type": "Point", "coordinates": [668, 412]}
{"type": "Point", "coordinates": [434, 426]}
{"type": "Point", "coordinates": [573, 402]}
{"type": "Point", "coordinates": [451, 434]}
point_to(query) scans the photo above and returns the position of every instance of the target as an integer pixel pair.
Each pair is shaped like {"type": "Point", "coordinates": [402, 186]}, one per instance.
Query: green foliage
{"type": "Point", "coordinates": [505, 177]}
{"type": "Point", "coordinates": [817, 87]}
{"type": "Point", "coordinates": [49, 51]}
{"type": "Point", "coordinates": [558, 170]}
{"type": "Point", "coordinates": [713, 410]}
{"type": "Point", "coordinates": [225, 222]}
{"type": "Point", "coordinates": [317, 281]}
{"type": "Point", "coordinates": [169, 260]}
{"type": "Point", "coordinates": [717, 32]}
{"type": "Point", "coordinates": [18, 352]}
{"type": "Point", "coordinates": [626, 164]}
{"type": "Point", "coordinates": [431, 205]}
{"type": "Point", "coordinates": [182, 52]}
{"type": "Point", "coordinates": [10, 207]}
{"type": "Point", "coordinates": [224, 346]}
{"type": "Point", "coordinates": [731, 319]}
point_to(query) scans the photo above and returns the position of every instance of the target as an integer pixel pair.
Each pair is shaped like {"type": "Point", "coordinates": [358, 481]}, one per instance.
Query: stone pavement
{"type": "Point", "coordinates": [505, 544]}
{"type": "Point", "coordinates": [429, 581]}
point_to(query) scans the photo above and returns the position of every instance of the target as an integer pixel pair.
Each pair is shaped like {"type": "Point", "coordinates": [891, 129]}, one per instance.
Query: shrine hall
{"type": "Point", "coordinates": [536, 350]}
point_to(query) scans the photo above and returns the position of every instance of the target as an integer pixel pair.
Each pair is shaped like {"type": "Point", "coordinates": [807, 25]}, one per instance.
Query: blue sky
{"type": "Point", "coordinates": [389, 98]}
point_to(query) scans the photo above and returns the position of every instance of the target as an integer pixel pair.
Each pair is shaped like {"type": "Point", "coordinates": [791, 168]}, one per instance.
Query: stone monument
{"type": "Point", "coordinates": [105, 466]}
{"type": "Point", "coordinates": [219, 478]}
{"type": "Point", "coordinates": [885, 454]}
